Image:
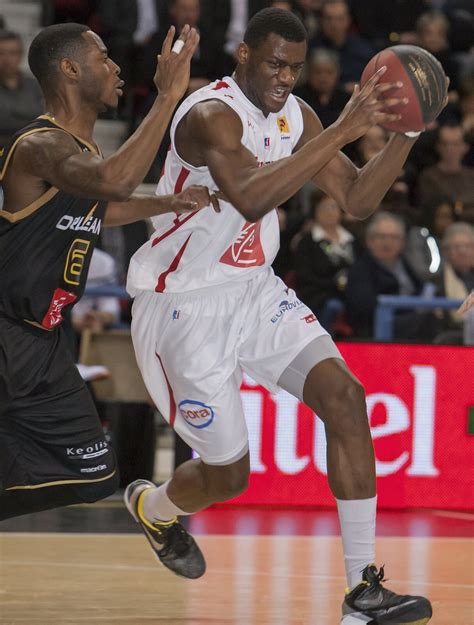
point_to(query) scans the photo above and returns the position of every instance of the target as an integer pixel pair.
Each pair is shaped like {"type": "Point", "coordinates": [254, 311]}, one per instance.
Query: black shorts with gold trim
{"type": "Point", "coordinates": [50, 432]}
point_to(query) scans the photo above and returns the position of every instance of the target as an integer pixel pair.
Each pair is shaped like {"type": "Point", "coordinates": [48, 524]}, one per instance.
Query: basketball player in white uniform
{"type": "Point", "coordinates": [207, 303]}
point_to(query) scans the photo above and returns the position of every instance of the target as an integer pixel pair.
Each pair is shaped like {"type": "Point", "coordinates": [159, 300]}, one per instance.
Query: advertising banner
{"type": "Point", "coordinates": [419, 399]}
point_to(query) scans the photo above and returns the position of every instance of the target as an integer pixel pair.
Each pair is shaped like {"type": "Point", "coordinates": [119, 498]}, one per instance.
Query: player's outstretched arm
{"type": "Point", "coordinates": [211, 135]}
{"type": "Point", "coordinates": [144, 206]}
{"type": "Point", "coordinates": [55, 158]}
{"type": "Point", "coordinates": [360, 191]}
{"type": "Point", "coordinates": [357, 191]}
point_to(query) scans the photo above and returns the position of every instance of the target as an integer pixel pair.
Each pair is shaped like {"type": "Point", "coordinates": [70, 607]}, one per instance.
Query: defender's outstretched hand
{"type": "Point", "coordinates": [173, 69]}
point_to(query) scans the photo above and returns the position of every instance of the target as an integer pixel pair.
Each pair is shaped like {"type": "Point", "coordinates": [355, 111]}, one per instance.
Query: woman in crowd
{"type": "Point", "coordinates": [322, 257]}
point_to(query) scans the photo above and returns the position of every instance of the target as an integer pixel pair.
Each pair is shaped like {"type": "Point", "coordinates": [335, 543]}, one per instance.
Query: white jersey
{"type": "Point", "coordinates": [206, 249]}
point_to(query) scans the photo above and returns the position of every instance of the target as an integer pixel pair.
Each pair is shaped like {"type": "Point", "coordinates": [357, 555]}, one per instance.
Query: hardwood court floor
{"type": "Point", "coordinates": [112, 579]}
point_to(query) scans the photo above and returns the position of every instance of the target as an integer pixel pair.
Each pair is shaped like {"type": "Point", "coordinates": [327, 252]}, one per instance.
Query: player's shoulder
{"type": "Point", "coordinates": [48, 139]}
{"type": "Point", "coordinates": [214, 118]}
{"type": "Point", "coordinates": [212, 110]}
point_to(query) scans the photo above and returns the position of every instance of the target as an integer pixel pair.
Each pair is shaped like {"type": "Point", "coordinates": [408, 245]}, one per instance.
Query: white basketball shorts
{"type": "Point", "coordinates": [191, 349]}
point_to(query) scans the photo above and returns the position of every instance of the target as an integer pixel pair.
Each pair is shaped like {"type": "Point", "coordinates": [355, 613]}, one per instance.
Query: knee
{"type": "Point", "coordinates": [95, 491]}
{"type": "Point", "coordinates": [228, 483]}
{"type": "Point", "coordinates": [345, 410]}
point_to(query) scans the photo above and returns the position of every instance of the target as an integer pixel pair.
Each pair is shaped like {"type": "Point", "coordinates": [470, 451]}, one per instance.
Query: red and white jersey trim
{"type": "Point", "coordinates": [208, 249]}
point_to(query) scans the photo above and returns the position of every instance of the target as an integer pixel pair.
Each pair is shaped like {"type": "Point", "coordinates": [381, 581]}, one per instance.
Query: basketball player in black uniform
{"type": "Point", "coordinates": [57, 193]}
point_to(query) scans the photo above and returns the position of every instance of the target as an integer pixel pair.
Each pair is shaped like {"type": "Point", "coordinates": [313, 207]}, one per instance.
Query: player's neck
{"type": "Point", "coordinates": [244, 85]}
{"type": "Point", "coordinates": [79, 120]}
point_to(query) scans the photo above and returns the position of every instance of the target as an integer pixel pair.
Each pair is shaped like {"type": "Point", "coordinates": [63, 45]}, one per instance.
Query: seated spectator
{"type": "Point", "coordinates": [322, 257]}
{"type": "Point", "coordinates": [320, 90]}
{"type": "Point", "coordinates": [97, 313]}
{"type": "Point", "coordinates": [432, 31]}
{"type": "Point", "coordinates": [354, 52]}
{"type": "Point", "coordinates": [457, 278]}
{"type": "Point", "coordinates": [383, 270]}
{"type": "Point", "coordinates": [21, 99]}
{"type": "Point", "coordinates": [448, 178]}
{"type": "Point", "coordinates": [423, 248]}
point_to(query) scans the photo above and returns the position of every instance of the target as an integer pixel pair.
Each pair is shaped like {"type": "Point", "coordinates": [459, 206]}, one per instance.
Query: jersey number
{"type": "Point", "coordinates": [75, 261]}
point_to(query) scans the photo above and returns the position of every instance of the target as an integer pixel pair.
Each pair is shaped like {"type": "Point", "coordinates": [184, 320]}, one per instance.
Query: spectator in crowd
{"type": "Point", "coordinates": [354, 52]}
{"type": "Point", "coordinates": [322, 258]}
{"type": "Point", "coordinates": [20, 96]}
{"type": "Point", "coordinates": [457, 278]}
{"type": "Point", "coordinates": [448, 178]}
{"type": "Point", "coordinates": [321, 90]}
{"type": "Point", "coordinates": [432, 31]}
{"type": "Point", "coordinates": [423, 248]}
{"type": "Point", "coordinates": [383, 270]}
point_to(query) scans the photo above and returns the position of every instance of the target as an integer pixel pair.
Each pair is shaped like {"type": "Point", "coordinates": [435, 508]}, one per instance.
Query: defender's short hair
{"type": "Point", "coordinates": [53, 44]}
{"type": "Point", "coordinates": [277, 21]}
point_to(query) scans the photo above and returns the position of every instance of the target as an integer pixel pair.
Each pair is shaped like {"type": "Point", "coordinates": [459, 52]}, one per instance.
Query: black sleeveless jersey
{"type": "Point", "coordinates": [46, 247]}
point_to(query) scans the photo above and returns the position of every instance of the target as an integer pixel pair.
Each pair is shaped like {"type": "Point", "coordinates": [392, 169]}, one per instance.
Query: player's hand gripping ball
{"type": "Point", "coordinates": [424, 84]}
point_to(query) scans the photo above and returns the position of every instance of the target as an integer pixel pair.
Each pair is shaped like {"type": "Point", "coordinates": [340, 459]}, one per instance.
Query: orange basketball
{"type": "Point", "coordinates": [424, 84]}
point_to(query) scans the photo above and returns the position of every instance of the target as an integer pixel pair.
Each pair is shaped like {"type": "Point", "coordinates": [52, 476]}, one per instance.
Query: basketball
{"type": "Point", "coordinates": [424, 84]}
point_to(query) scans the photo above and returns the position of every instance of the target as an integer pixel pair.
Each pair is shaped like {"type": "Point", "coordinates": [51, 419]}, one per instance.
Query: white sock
{"type": "Point", "coordinates": [357, 519]}
{"type": "Point", "coordinates": [157, 506]}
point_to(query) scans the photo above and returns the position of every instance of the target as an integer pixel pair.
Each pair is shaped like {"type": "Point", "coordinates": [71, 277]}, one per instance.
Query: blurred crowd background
{"type": "Point", "coordinates": [421, 239]}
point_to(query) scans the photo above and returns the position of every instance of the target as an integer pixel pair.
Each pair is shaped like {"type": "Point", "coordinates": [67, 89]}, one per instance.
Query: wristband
{"type": "Point", "coordinates": [178, 46]}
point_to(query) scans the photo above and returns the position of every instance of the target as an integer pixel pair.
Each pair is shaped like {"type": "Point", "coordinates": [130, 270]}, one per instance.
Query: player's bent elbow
{"type": "Point", "coordinates": [251, 211]}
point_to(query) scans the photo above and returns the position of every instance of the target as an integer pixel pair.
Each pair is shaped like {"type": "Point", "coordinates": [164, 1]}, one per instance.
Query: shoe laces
{"type": "Point", "coordinates": [372, 576]}
{"type": "Point", "coordinates": [177, 539]}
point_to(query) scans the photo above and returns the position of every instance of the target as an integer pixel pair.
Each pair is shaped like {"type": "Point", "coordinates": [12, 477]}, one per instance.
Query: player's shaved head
{"type": "Point", "coordinates": [51, 46]}
{"type": "Point", "coordinates": [277, 21]}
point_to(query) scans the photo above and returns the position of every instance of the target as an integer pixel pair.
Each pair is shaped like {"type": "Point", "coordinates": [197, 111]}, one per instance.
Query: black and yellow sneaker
{"type": "Point", "coordinates": [370, 603]}
{"type": "Point", "coordinates": [171, 543]}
